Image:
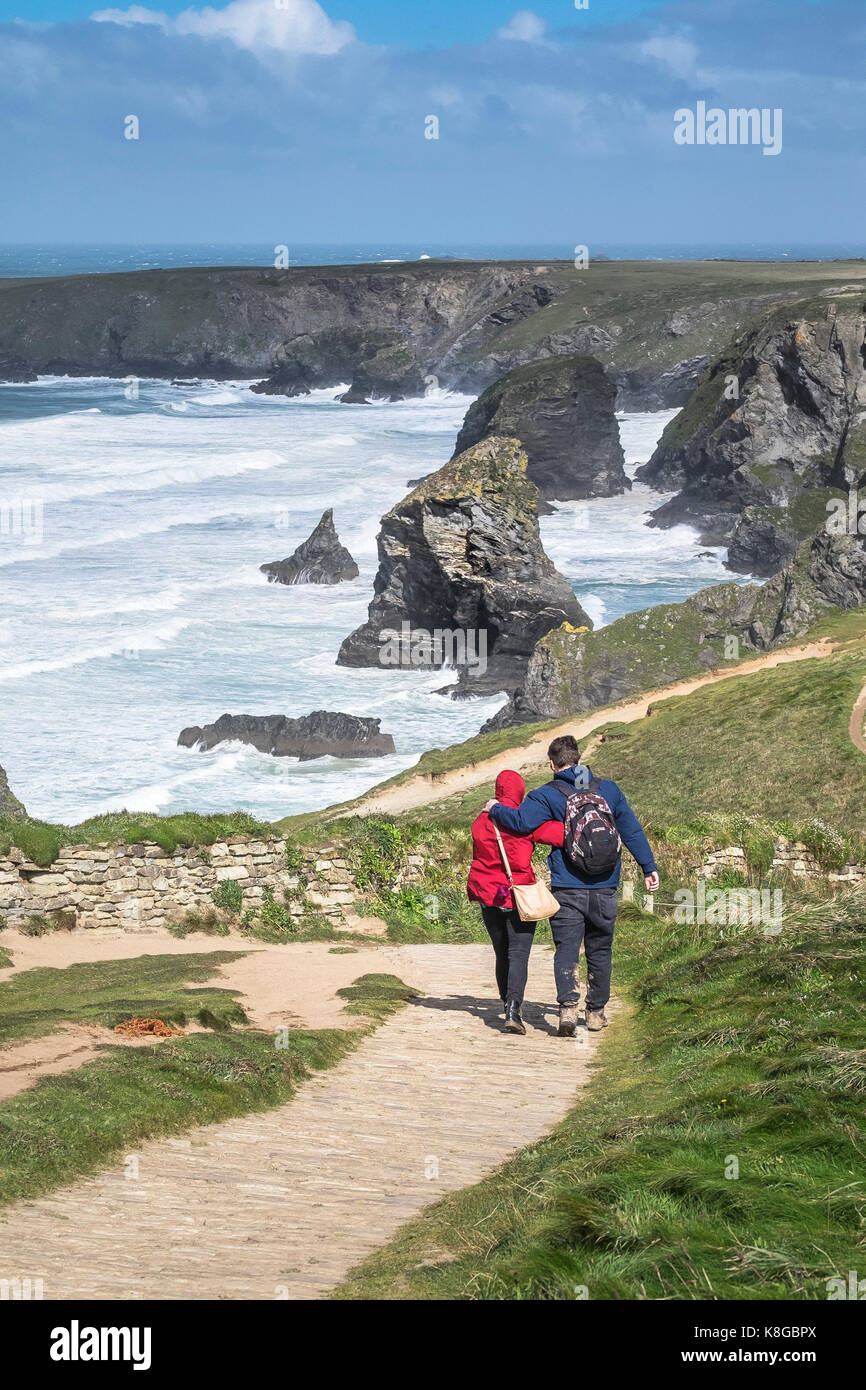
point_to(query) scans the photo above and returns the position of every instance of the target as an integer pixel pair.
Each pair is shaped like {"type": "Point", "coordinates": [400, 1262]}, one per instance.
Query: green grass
{"type": "Point", "coordinates": [80, 1121]}
{"type": "Point", "coordinates": [40, 1001]}
{"type": "Point", "coordinates": [377, 996]}
{"type": "Point", "coordinates": [773, 745]}
{"type": "Point", "coordinates": [733, 1046]}
{"type": "Point", "coordinates": [42, 842]}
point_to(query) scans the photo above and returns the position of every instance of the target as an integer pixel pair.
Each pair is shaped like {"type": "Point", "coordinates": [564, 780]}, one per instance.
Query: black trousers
{"type": "Point", "coordinates": [512, 941]}
{"type": "Point", "coordinates": [587, 915]}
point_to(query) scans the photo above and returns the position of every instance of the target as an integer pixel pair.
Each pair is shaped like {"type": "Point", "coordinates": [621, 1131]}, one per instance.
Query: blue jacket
{"type": "Point", "coordinates": [548, 803]}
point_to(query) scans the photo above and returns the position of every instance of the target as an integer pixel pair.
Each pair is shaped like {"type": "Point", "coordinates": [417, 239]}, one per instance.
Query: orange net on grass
{"type": "Point", "coordinates": [147, 1028]}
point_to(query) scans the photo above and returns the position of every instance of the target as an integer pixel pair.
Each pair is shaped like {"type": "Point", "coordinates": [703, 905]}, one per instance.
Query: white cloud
{"type": "Point", "coordinates": [679, 55]}
{"type": "Point", "coordinates": [284, 26]}
{"type": "Point", "coordinates": [525, 26]}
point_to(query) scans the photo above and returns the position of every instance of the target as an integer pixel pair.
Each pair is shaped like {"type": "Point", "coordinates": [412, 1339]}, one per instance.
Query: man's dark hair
{"type": "Point", "coordinates": [564, 751]}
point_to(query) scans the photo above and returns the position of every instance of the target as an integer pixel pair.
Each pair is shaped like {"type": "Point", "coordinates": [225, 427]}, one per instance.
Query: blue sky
{"type": "Point", "coordinates": [290, 120]}
{"type": "Point", "coordinates": [418, 23]}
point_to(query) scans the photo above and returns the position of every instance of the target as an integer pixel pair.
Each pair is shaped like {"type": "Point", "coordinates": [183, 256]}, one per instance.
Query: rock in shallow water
{"type": "Point", "coordinates": [321, 734]}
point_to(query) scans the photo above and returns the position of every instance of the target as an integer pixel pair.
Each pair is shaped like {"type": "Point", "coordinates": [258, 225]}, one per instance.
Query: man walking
{"type": "Point", "coordinates": [587, 902]}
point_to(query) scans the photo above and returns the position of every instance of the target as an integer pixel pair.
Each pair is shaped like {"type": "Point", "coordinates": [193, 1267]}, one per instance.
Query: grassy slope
{"type": "Point", "coordinates": [637, 295]}
{"type": "Point", "coordinates": [774, 744]}
{"type": "Point", "coordinates": [72, 1124]}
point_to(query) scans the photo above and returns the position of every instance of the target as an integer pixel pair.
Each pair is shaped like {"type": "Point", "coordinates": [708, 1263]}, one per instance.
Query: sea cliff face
{"type": "Point", "coordinates": [9, 804]}
{"type": "Point", "coordinates": [562, 409]}
{"type": "Point", "coordinates": [774, 430]}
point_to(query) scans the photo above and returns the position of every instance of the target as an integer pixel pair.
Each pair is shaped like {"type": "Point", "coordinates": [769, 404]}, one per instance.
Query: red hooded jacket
{"type": "Point", "coordinates": [488, 882]}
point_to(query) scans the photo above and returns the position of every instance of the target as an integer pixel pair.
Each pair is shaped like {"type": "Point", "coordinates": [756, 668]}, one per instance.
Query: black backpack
{"type": "Point", "coordinates": [591, 842]}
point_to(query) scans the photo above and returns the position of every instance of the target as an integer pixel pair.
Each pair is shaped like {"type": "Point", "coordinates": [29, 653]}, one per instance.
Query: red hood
{"type": "Point", "coordinates": [510, 788]}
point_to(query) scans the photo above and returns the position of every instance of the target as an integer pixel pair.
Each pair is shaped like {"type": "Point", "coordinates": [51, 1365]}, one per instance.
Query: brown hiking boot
{"type": "Point", "coordinates": [567, 1020]}
{"type": "Point", "coordinates": [595, 1020]}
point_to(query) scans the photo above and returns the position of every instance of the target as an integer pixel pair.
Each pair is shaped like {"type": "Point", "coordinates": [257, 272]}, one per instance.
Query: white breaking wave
{"type": "Point", "coordinates": [131, 645]}
{"type": "Point", "coordinates": [164, 476]}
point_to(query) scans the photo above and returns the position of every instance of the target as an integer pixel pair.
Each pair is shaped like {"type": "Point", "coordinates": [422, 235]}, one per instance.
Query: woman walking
{"type": "Point", "coordinates": [489, 885]}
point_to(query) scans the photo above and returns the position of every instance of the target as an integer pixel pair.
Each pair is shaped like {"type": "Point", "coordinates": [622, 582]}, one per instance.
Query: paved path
{"type": "Point", "coordinates": [282, 1205]}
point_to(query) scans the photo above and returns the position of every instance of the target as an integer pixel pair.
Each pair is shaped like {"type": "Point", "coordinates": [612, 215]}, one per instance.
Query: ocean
{"type": "Point", "coordinates": [131, 539]}
{"type": "Point", "coordinates": [73, 259]}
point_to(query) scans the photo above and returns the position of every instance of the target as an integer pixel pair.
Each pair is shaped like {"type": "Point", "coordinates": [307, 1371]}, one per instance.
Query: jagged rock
{"type": "Point", "coordinates": [317, 735]}
{"type": "Point", "coordinates": [570, 672]}
{"type": "Point", "coordinates": [644, 389]}
{"type": "Point", "coordinates": [9, 804]}
{"type": "Point", "coordinates": [775, 430]}
{"type": "Point", "coordinates": [462, 555]}
{"type": "Point", "coordinates": [14, 368]}
{"type": "Point", "coordinates": [562, 409]}
{"type": "Point", "coordinates": [320, 559]}
{"type": "Point", "coordinates": [377, 362]}
{"type": "Point", "coordinates": [391, 373]}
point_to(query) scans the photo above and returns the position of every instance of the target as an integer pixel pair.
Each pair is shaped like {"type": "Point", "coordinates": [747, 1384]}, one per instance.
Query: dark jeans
{"type": "Point", "coordinates": [587, 915]}
{"type": "Point", "coordinates": [512, 942]}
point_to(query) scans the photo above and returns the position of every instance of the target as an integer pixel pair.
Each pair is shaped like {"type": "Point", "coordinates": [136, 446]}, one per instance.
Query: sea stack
{"type": "Point", "coordinates": [320, 559]}
{"type": "Point", "coordinates": [463, 579]}
{"type": "Point", "coordinates": [563, 411]}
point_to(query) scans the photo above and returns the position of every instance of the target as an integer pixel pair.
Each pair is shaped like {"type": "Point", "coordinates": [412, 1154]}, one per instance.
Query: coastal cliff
{"type": "Point", "coordinates": [776, 428]}
{"type": "Point", "coordinates": [386, 330]}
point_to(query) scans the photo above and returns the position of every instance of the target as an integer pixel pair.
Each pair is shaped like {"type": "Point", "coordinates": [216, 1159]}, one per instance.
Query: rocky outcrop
{"type": "Point", "coordinates": [391, 373]}
{"type": "Point", "coordinates": [9, 804]}
{"type": "Point", "coordinates": [463, 578]}
{"type": "Point", "coordinates": [562, 409]}
{"type": "Point", "coordinates": [571, 671]}
{"type": "Point", "coordinates": [320, 559]}
{"type": "Point", "coordinates": [775, 429]}
{"type": "Point", "coordinates": [377, 363]}
{"type": "Point", "coordinates": [318, 735]}
{"type": "Point", "coordinates": [15, 368]}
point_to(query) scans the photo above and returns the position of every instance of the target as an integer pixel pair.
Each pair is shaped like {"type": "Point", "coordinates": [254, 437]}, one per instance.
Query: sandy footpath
{"type": "Point", "coordinates": [291, 986]}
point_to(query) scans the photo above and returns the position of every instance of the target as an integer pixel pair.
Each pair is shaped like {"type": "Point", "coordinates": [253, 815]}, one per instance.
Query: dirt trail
{"type": "Point", "coordinates": [283, 1204]}
{"type": "Point", "coordinates": [426, 788]}
{"type": "Point", "coordinates": [292, 986]}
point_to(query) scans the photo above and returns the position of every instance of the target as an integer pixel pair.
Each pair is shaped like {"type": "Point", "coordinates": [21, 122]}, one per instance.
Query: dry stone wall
{"type": "Point", "coordinates": [141, 887]}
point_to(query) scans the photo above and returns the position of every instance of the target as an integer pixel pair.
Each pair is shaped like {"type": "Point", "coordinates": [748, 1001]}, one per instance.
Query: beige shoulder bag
{"type": "Point", "coordinates": [534, 901]}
